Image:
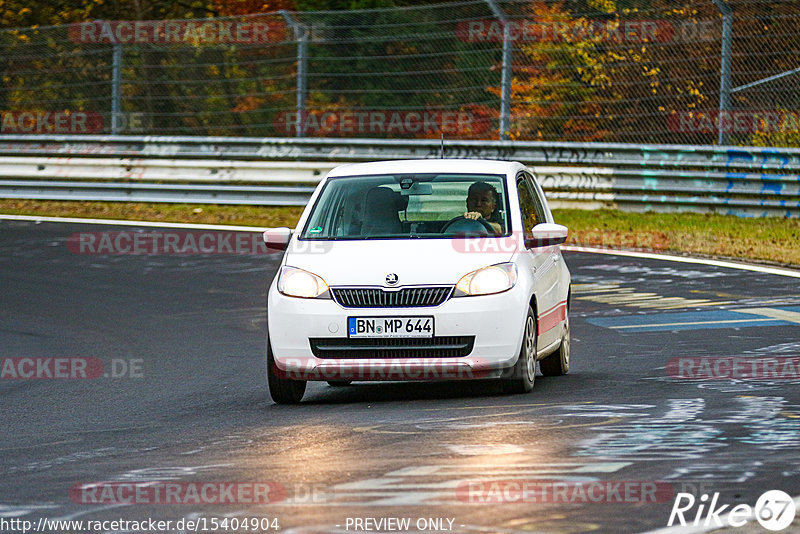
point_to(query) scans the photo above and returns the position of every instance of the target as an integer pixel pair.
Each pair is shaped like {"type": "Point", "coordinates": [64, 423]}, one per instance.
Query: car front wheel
{"type": "Point", "coordinates": [282, 390]}
{"type": "Point", "coordinates": [524, 371]}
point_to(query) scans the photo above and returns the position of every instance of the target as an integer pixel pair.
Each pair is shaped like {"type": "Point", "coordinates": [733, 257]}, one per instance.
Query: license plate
{"type": "Point", "coordinates": [390, 326]}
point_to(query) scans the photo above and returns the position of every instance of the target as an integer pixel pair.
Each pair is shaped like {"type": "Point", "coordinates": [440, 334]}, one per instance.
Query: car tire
{"type": "Point", "coordinates": [523, 373]}
{"type": "Point", "coordinates": [557, 364]}
{"type": "Point", "coordinates": [282, 390]}
{"type": "Point", "coordinates": [339, 383]}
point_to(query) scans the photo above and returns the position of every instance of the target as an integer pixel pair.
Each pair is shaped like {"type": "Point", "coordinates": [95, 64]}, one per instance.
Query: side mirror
{"type": "Point", "coordinates": [277, 239]}
{"type": "Point", "coordinates": [546, 235]}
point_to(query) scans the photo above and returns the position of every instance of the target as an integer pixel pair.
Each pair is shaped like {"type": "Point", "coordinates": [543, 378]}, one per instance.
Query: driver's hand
{"type": "Point", "coordinates": [474, 215]}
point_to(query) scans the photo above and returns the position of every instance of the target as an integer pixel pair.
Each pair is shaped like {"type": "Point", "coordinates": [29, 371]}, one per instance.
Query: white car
{"type": "Point", "coordinates": [419, 270]}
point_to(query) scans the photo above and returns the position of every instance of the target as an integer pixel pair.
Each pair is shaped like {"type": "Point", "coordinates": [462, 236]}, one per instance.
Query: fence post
{"type": "Point", "coordinates": [301, 34]}
{"type": "Point", "coordinates": [505, 80]}
{"type": "Point", "coordinates": [725, 68]}
{"type": "Point", "coordinates": [116, 89]}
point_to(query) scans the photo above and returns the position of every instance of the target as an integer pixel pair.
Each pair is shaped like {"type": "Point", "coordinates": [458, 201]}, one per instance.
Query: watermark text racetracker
{"type": "Point", "coordinates": [563, 492]}
{"type": "Point", "coordinates": [622, 31]}
{"type": "Point", "coordinates": [183, 243]}
{"type": "Point", "coordinates": [249, 30]}
{"type": "Point", "coordinates": [173, 493]}
{"type": "Point", "coordinates": [476, 244]}
{"type": "Point", "coordinates": [735, 122]}
{"type": "Point", "coordinates": [734, 367]}
{"type": "Point", "coordinates": [66, 122]}
{"type": "Point", "coordinates": [400, 369]}
{"type": "Point", "coordinates": [398, 122]}
{"type": "Point", "coordinates": [221, 242]}
{"type": "Point", "coordinates": [39, 121]}
{"type": "Point", "coordinates": [69, 368]}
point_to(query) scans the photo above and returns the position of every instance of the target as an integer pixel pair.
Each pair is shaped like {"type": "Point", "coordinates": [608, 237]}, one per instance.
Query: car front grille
{"type": "Point", "coordinates": [407, 297]}
{"type": "Point", "coordinates": [428, 347]}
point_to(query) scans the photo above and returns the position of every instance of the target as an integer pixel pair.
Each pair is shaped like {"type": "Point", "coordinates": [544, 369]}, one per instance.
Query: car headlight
{"type": "Point", "coordinates": [488, 280]}
{"type": "Point", "coordinates": [295, 282]}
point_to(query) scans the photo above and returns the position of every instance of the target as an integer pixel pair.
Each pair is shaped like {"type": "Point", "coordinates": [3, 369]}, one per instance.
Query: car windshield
{"type": "Point", "coordinates": [410, 206]}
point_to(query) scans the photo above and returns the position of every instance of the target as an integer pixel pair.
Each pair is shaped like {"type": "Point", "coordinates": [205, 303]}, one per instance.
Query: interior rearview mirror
{"type": "Point", "coordinates": [417, 188]}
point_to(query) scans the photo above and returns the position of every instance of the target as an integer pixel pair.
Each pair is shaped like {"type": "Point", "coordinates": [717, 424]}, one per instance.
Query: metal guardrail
{"type": "Point", "coordinates": [344, 150]}
{"type": "Point", "coordinates": [750, 181]}
{"type": "Point", "coordinates": [172, 170]}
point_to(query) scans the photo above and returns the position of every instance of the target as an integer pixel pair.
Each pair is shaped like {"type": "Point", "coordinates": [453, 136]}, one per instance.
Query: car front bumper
{"type": "Point", "coordinates": [495, 322]}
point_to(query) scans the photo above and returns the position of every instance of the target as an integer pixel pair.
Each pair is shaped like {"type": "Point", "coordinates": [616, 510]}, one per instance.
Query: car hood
{"type": "Point", "coordinates": [414, 261]}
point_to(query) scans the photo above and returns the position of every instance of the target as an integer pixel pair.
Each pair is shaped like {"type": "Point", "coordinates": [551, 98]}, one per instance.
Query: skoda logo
{"type": "Point", "coordinates": [391, 279]}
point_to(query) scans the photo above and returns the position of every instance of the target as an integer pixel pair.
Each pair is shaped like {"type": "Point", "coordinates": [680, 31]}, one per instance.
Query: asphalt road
{"type": "Point", "coordinates": [184, 336]}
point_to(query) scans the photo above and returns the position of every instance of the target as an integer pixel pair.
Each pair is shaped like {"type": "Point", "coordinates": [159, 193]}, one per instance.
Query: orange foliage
{"type": "Point", "coordinates": [228, 8]}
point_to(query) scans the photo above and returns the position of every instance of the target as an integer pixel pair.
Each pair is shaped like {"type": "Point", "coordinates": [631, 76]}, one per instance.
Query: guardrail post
{"type": "Point", "coordinates": [301, 34]}
{"type": "Point", "coordinates": [725, 68]}
{"type": "Point", "coordinates": [505, 81]}
{"type": "Point", "coordinates": [116, 89]}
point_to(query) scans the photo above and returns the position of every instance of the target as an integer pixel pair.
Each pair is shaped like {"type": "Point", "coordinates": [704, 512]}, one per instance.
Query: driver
{"type": "Point", "coordinates": [482, 201]}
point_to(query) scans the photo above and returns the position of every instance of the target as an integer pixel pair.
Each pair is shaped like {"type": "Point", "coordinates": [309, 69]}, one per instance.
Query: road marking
{"type": "Point", "coordinates": [686, 324]}
{"type": "Point", "coordinates": [502, 469]}
{"type": "Point", "coordinates": [631, 297]}
{"type": "Point", "coordinates": [692, 305]}
{"type": "Point", "coordinates": [693, 320]}
{"type": "Point", "coordinates": [683, 259]}
{"type": "Point", "coordinates": [492, 449]}
{"type": "Point", "coordinates": [39, 445]}
{"type": "Point", "coordinates": [527, 405]}
{"type": "Point", "coordinates": [615, 295]}
{"type": "Point", "coordinates": [437, 484]}
{"type": "Point", "coordinates": [376, 429]}
{"type": "Point", "coordinates": [11, 511]}
{"type": "Point", "coordinates": [774, 313]}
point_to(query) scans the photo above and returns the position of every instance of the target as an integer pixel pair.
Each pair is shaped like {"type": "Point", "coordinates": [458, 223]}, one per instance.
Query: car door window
{"type": "Point", "coordinates": [537, 195]}
{"type": "Point", "coordinates": [527, 206]}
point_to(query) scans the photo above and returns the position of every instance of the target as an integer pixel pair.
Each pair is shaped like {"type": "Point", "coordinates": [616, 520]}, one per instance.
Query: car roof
{"type": "Point", "coordinates": [457, 166]}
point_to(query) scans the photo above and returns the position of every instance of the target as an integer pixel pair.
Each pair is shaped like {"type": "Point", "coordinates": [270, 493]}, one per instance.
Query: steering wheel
{"type": "Point", "coordinates": [462, 226]}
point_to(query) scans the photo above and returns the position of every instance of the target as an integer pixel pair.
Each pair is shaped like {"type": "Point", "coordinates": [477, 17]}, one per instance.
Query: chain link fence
{"type": "Point", "coordinates": [658, 71]}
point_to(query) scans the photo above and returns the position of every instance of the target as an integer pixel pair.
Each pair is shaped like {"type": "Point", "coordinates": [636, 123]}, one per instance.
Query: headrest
{"type": "Point", "coordinates": [382, 198]}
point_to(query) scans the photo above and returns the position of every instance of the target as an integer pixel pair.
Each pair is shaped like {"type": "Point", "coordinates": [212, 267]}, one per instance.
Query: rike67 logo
{"type": "Point", "coordinates": [774, 510]}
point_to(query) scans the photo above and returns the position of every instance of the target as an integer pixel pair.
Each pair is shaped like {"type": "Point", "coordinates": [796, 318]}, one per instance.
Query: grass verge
{"type": "Point", "coordinates": [266, 216]}
{"type": "Point", "coordinates": [771, 240]}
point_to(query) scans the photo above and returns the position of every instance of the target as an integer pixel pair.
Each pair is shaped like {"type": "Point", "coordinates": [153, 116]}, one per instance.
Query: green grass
{"type": "Point", "coordinates": [264, 217]}
{"type": "Point", "coordinates": [772, 240]}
